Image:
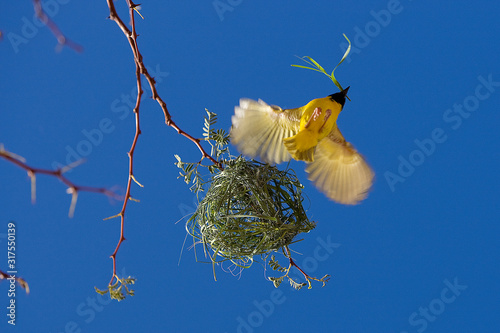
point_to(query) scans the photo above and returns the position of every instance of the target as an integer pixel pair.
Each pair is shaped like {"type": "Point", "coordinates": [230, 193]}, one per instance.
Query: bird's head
{"type": "Point", "coordinates": [340, 96]}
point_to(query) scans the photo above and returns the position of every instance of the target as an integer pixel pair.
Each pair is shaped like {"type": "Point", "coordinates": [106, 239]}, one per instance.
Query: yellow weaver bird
{"type": "Point", "coordinates": [309, 134]}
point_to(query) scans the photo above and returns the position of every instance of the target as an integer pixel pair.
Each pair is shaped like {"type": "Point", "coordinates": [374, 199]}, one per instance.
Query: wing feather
{"type": "Point", "coordinates": [339, 170]}
{"type": "Point", "coordinates": [259, 129]}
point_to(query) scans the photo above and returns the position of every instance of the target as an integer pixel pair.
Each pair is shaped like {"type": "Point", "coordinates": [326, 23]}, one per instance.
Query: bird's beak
{"type": "Point", "coordinates": [344, 92]}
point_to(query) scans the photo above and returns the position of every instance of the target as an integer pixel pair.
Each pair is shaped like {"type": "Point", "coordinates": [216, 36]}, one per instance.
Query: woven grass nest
{"type": "Point", "coordinates": [249, 209]}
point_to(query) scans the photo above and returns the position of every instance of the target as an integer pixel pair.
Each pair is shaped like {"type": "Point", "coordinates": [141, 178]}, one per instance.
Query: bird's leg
{"type": "Point", "coordinates": [316, 113]}
{"type": "Point", "coordinates": [328, 113]}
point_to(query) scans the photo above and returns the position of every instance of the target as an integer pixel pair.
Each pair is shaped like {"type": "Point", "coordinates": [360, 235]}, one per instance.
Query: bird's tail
{"type": "Point", "coordinates": [302, 145]}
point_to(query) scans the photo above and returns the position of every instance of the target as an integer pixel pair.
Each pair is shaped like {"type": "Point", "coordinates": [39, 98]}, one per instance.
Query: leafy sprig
{"type": "Point", "coordinates": [120, 289]}
{"type": "Point", "coordinates": [218, 139]}
{"type": "Point", "coordinates": [273, 263]}
{"type": "Point", "coordinates": [315, 66]}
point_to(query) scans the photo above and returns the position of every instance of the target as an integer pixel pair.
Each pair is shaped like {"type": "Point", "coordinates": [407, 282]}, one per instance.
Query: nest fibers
{"type": "Point", "coordinates": [250, 209]}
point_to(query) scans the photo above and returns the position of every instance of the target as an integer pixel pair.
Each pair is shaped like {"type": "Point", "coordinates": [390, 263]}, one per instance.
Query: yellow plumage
{"type": "Point", "coordinates": [309, 134]}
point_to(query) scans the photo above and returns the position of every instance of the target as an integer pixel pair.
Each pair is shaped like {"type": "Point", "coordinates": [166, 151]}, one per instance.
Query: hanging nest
{"type": "Point", "coordinates": [249, 209]}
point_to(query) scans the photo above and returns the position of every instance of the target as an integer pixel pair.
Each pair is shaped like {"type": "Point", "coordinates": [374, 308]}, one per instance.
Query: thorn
{"type": "Point", "coordinates": [132, 199]}
{"type": "Point", "coordinates": [32, 175]}
{"type": "Point", "coordinates": [74, 198]}
{"type": "Point", "coordinates": [111, 217]}
{"type": "Point", "coordinates": [135, 180]}
{"type": "Point", "coordinates": [72, 165]}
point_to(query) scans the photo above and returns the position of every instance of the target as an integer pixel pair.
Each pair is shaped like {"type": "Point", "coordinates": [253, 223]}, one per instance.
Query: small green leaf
{"type": "Point", "coordinates": [316, 64]}
{"type": "Point", "coordinates": [296, 285]}
{"type": "Point", "coordinates": [276, 281]}
{"type": "Point", "coordinates": [99, 291]}
{"type": "Point", "coordinates": [273, 263]}
{"type": "Point", "coordinates": [314, 69]}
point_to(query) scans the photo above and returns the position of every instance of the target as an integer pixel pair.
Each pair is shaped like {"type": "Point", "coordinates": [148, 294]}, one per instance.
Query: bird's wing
{"type": "Point", "coordinates": [259, 129]}
{"type": "Point", "coordinates": [339, 170]}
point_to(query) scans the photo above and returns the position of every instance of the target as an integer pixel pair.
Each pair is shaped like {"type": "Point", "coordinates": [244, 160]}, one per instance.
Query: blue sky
{"type": "Point", "coordinates": [419, 255]}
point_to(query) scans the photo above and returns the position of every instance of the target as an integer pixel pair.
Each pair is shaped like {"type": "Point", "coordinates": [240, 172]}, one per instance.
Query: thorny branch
{"type": "Point", "coordinates": [132, 38]}
{"type": "Point", "coordinates": [140, 68]}
{"type": "Point", "coordinates": [73, 189]}
{"type": "Point", "coordinates": [61, 39]}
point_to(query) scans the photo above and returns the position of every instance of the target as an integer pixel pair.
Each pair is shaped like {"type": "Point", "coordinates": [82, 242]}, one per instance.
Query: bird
{"type": "Point", "coordinates": [310, 134]}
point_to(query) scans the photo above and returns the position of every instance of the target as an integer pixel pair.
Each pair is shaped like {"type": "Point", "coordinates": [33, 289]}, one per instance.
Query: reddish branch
{"type": "Point", "coordinates": [19, 280]}
{"type": "Point", "coordinates": [306, 276]}
{"type": "Point", "coordinates": [61, 39]}
{"type": "Point", "coordinates": [140, 68]}
{"type": "Point", "coordinates": [59, 174]}
{"type": "Point", "coordinates": [132, 39]}
{"type": "Point", "coordinates": [292, 263]}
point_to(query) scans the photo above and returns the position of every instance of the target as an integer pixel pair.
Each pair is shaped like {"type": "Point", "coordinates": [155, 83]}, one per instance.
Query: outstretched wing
{"type": "Point", "coordinates": [259, 129]}
{"type": "Point", "coordinates": [339, 170]}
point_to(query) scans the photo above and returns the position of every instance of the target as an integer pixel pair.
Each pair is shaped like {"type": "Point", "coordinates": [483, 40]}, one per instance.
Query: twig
{"type": "Point", "coordinates": [132, 38]}
{"type": "Point", "coordinates": [292, 263]}
{"type": "Point", "coordinates": [19, 280]}
{"type": "Point", "coordinates": [61, 39]}
{"type": "Point", "coordinates": [306, 276]}
{"type": "Point", "coordinates": [140, 68]}
{"type": "Point", "coordinates": [73, 189]}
